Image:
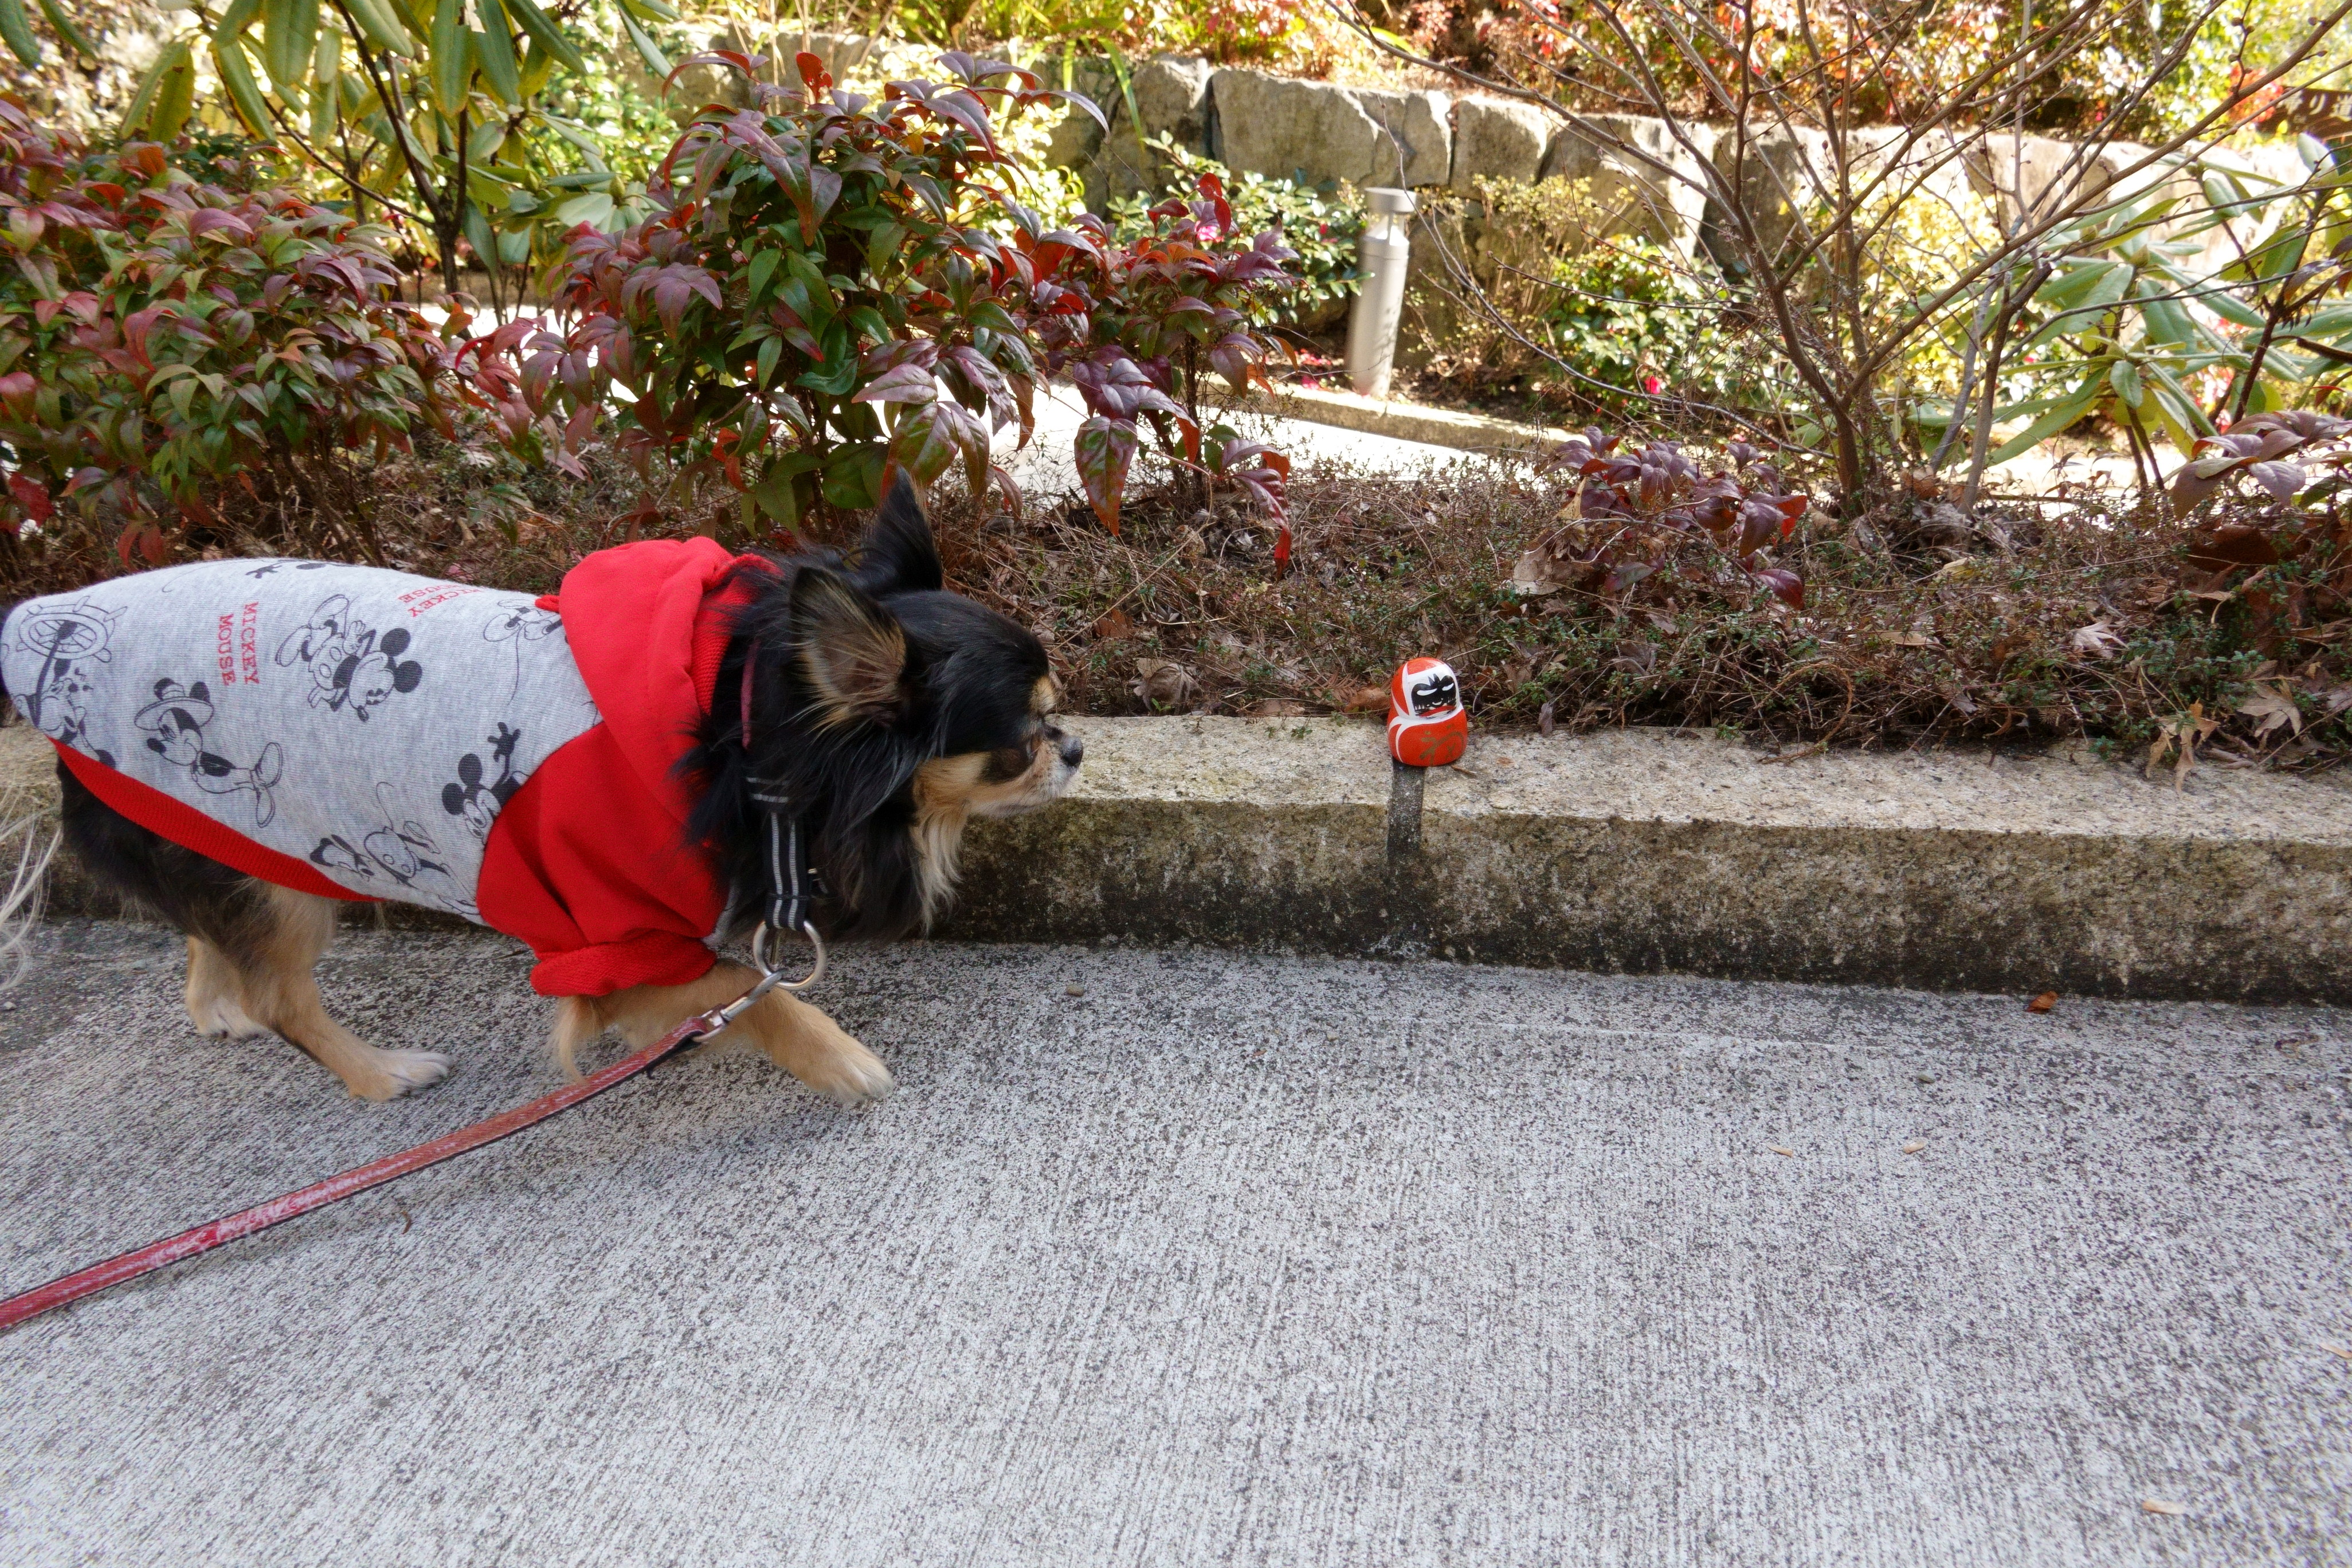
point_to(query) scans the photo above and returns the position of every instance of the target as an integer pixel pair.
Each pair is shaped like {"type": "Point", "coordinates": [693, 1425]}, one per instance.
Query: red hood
{"type": "Point", "coordinates": [647, 633]}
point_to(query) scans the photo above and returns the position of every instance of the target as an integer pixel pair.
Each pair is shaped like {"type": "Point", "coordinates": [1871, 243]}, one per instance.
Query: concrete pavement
{"type": "Point", "coordinates": [1227, 1259]}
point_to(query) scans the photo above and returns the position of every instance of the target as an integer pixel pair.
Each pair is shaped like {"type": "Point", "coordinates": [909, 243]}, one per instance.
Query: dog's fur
{"type": "Point", "coordinates": [890, 709]}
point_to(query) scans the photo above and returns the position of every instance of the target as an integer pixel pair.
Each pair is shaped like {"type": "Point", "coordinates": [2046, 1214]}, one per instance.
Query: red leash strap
{"type": "Point", "coordinates": [334, 1189]}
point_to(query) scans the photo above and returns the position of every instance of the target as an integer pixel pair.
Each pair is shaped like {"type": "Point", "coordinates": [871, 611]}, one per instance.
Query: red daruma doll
{"type": "Point", "coordinates": [1427, 727]}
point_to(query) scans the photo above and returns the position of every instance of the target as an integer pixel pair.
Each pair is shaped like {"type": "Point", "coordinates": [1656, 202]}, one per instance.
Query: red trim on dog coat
{"type": "Point", "coordinates": [589, 862]}
{"type": "Point", "coordinates": [185, 826]}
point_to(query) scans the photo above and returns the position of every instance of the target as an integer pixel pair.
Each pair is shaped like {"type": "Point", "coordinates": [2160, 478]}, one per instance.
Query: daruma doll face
{"type": "Point", "coordinates": [1427, 727]}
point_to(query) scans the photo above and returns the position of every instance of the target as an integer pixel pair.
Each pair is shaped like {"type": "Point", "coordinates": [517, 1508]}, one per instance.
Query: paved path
{"type": "Point", "coordinates": [1046, 468]}
{"type": "Point", "coordinates": [1243, 1260]}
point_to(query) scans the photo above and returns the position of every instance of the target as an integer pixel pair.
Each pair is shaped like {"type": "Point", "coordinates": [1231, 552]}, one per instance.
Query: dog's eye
{"type": "Point", "coordinates": [1009, 763]}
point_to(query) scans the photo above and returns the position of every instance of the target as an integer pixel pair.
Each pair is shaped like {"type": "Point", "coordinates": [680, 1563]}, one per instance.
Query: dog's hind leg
{"type": "Point", "coordinates": [251, 945]}
{"type": "Point", "coordinates": [215, 995]}
{"type": "Point", "coordinates": [796, 1037]}
{"type": "Point", "coordinates": [274, 960]}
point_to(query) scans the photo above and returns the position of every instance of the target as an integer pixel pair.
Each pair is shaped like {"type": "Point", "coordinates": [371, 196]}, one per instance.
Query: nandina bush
{"type": "Point", "coordinates": [832, 283]}
{"type": "Point", "coordinates": [1651, 522]}
{"type": "Point", "coordinates": [1133, 322]}
{"type": "Point", "coordinates": [162, 339]}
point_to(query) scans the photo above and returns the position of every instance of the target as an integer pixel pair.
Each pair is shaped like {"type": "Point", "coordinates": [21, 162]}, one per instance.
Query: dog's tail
{"type": "Point", "coordinates": [30, 840]}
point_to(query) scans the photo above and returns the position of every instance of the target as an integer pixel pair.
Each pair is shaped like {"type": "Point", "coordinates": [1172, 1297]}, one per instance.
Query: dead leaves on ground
{"type": "Point", "coordinates": [2179, 737]}
{"type": "Point", "coordinates": [2043, 1002]}
{"type": "Point", "coordinates": [1164, 683]}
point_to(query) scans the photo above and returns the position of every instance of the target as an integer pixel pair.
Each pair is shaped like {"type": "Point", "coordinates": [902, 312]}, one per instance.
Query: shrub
{"type": "Point", "coordinates": [1631, 321]}
{"type": "Point", "coordinates": [1652, 518]}
{"type": "Point", "coordinates": [162, 338]}
{"type": "Point", "coordinates": [1133, 321]}
{"type": "Point", "coordinates": [1321, 223]}
{"type": "Point", "coordinates": [822, 268]}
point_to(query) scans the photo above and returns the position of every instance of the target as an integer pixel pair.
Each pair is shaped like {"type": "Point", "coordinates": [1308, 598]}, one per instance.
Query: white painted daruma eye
{"type": "Point", "coordinates": [1433, 692]}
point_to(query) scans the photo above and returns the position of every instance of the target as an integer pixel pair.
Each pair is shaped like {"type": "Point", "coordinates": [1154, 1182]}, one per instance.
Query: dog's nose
{"type": "Point", "coordinates": [1072, 751]}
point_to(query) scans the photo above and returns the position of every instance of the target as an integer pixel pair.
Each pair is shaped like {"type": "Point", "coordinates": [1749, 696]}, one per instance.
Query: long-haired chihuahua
{"type": "Point", "coordinates": [242, 744]}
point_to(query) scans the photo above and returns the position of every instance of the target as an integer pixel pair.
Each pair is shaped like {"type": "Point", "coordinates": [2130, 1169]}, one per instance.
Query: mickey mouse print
{"type": "Point", "coordinates": [303, 705]}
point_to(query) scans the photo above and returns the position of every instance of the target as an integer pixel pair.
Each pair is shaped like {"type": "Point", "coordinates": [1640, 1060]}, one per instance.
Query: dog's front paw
{"type": "Point", "coordinates": [394, 1073]}
{"type": "Point", "coordinates": [849, 1074]}
{"type": "Point", "coordinates": [222, 1019]}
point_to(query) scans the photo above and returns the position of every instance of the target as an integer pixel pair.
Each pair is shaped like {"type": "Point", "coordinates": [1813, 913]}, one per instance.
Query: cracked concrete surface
{"type": "Point", "coordinates": [1225, 1259]}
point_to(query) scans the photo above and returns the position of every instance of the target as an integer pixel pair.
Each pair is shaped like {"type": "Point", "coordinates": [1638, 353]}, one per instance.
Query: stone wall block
{"type": "Point", "coordinates": [1499, 139]}
{"type": "Point", "coordinates": [1638, 171]}
{"type": "Point", "coordinates": [1171, 93]}
{"type": "Point", "coordinates": [1419, 135]}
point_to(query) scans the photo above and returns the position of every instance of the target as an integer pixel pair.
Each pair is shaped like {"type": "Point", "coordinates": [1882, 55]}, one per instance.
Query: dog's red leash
{"type": "Point", "coordinates": [334, 1189]}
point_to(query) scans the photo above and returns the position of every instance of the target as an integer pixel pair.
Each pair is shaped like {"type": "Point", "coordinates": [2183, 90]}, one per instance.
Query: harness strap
{"type": "Point", "coordinates": [788, 875]}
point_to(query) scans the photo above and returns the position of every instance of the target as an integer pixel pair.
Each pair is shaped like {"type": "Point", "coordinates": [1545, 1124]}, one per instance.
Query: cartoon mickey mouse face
{"type": "Point", "coordinates": [368, 680]}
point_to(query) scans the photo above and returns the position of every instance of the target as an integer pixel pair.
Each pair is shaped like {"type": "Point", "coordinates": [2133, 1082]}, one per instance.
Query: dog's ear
{"type": "Point", "coordinates": [852, 653]}
{"type": "Point", "coordinates": [898, 556]}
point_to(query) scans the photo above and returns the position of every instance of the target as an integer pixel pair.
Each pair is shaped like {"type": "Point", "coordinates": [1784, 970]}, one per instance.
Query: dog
{"type": "Point", "coordinates": [670, 696]}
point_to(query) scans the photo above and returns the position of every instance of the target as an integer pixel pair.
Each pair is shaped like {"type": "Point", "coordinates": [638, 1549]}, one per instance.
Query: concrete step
{"type": "Point", "coordinates": [1648, 851]}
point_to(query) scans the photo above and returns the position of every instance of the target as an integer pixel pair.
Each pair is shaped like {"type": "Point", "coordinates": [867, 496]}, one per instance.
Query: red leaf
{"type": "Point", "coordinates": [1786, 586]}
{"type": "Point", "coordinates": [32, 497]}
{"type": "Point", "coordinates": [1103, 449]}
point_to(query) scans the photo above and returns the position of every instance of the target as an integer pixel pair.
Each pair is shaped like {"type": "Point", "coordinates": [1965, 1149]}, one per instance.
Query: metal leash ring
{"type": "Point", "coordinates": [770, 977]}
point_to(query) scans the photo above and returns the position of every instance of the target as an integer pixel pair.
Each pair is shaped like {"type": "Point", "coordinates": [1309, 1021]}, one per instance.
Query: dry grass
{"type": "Point", "coordinates": [2054, 621]}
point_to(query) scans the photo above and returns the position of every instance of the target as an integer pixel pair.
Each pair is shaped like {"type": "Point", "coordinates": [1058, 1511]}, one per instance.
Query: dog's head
{"type": "Point", "coordinates": [893, 711]}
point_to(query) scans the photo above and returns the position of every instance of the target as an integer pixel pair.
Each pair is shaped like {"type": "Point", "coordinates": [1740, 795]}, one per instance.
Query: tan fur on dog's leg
{"type": "Point", "coordinates": [281, 992]}
{"type": "Point", "coordinates": [796, 1037]}
{"type": "Point", "coordinates": [215, 996]}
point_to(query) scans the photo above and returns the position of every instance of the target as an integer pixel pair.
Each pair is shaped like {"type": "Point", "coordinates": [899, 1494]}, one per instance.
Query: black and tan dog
{"type": "Point", "coordinates": [577, 771]}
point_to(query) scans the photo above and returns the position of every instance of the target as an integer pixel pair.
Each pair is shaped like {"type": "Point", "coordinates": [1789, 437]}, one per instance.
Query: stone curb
{"type": "Point", "coordinates": [1646, 851]}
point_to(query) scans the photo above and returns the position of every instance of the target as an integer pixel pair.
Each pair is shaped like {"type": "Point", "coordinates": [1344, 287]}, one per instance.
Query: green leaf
{"type": "Point", "coordinates": [593, 208]}
{"type": "Point", "coordinates": [2124, 378]}
{"type": "Point", "coordinates": [236, 73]}
{"type": "Point", "coordinates": [648, 50]}
{"type": "Point", "coordinates": [549, 37]}
{"type": "Point", "coordinates": [290, 36]}
{"type": "Point", "coordinates": [2179, 410]}
{"type": "Point", "coordinates": [477, 234]}
{"type": "Point", "coordinates": [17, 29]}
{"type": "Point", "coordinates": [2282, 255]}
{"type": "Point", "coordinates": [763, 267]}
{"type": "Point", "coordinates": [175, 96]}
{"type": "Point", "coordinates": [62, 24]}
{"type": "Point", "coordinates": [452, 55]}
{"type": "Point", "coordinates": [494, 45]}
{"type": "Point", "coordinates": [652, 10]}
{"type": "Point", "coordinates": [771, 350]}
{"type": "Point", "coordinates": [2050, 424]}
{"type": "Point", "coordinates": [382, 26]}
{"type": "Point", "coordinates": [853, 476]}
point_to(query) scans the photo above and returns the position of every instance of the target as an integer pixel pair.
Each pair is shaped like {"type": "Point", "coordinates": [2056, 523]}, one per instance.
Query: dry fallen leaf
{"type": "Point", "coordinates": [1914, 1146]}
{"type": "Point", "coordinates": [1165, 682]}
{"type": "Point", "coordinates": [2160, 1505]}
{"type": "Point", "coordinates": [2336, 1349]}
{"type": "Point", "coordinates": [1780, 1149]}
{"type": "Point", "coordinates": [2270, 707]}
{"type": "Point", "coordinates": [2043, 1002]}
{"type": "Point", "coordinates": [1912, 639]}
{"type": "Point", "coordinates": [1278, 708]}
{"type": "Point", "coordinates": [1115, 624]}
{"type": "Point", "coordinates": [2096, 640]}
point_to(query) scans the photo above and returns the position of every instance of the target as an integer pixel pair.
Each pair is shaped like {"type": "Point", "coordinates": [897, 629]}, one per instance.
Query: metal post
{"type": "Point", "coordinates": [1380, 300]}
